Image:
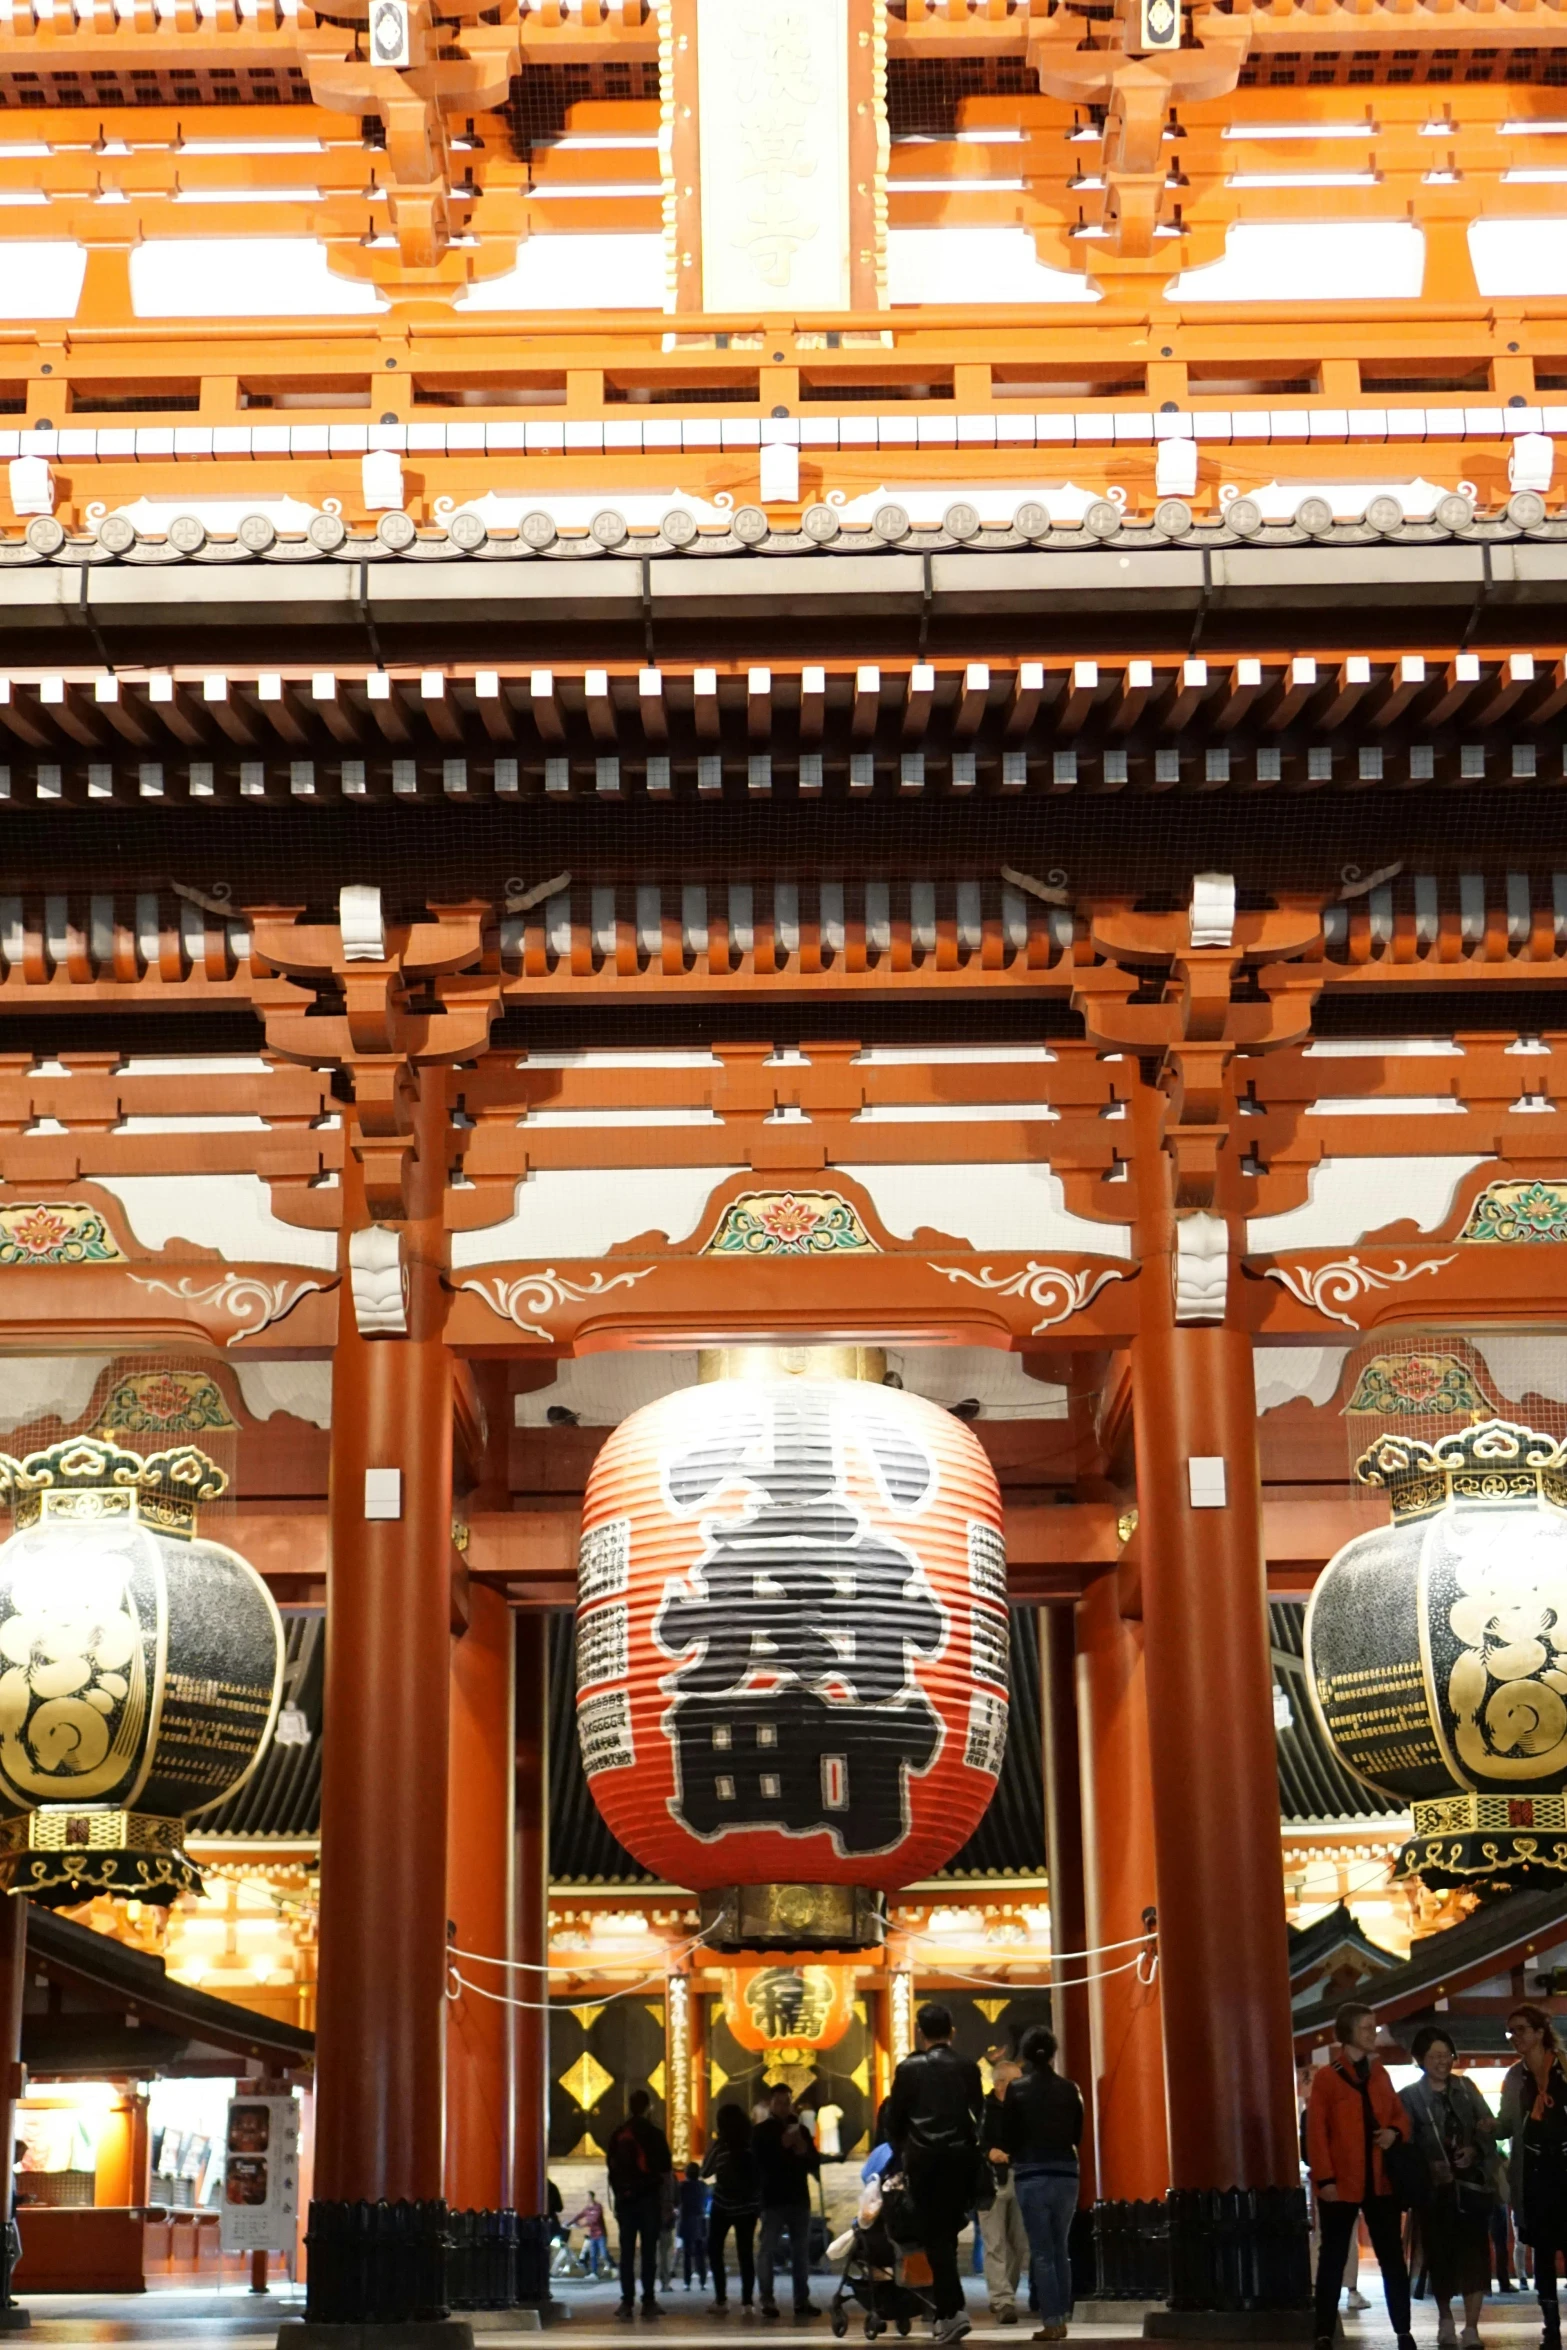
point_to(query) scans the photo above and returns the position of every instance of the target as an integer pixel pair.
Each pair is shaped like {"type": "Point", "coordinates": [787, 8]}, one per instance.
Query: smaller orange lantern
{"type": "Point", "coordinates": [773, 2008]}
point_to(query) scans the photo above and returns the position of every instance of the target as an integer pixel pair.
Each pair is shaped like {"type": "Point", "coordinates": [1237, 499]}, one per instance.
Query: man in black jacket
{"type": "Point", "coordinates": [786, 2163]}
{"type": "Point", "coordinates": [934, 2122]}
{"type": "Point", "coordinates": [639, 2162]}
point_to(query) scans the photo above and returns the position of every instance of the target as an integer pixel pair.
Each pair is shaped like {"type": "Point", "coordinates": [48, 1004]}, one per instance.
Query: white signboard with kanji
{"type": "Point", "coordinates": [774, 120]}
{"type": "Point", "coordinates": [261, 2175]}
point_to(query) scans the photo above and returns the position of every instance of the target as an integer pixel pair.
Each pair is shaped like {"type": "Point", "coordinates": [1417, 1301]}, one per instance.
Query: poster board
{"type": "Point", "coordinates": [260, 2203]}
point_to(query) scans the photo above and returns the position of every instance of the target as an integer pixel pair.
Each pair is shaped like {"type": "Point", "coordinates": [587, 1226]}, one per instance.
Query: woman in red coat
{"type": "Point", "coordinates": [1352, 2116]}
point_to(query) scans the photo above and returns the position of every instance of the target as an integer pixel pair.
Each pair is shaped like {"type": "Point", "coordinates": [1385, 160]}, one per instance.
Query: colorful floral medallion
{"type": "Point", "coordinates": [56, 1232]}
{"type": "Point", "coordinates": [166, 1403]}
{"type": "Point", "coordinates": [789, 1224]}
{"type": "Point", "coordinates": [1518, 1211]}
{"type": "Point", "coordinates": [1418, 1386]}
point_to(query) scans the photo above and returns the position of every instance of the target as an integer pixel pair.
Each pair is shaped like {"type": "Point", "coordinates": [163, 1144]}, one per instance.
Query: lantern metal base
{"type": "Point", "coordinates": [793, 1917]}
{"type": "Point", "coordinates": [1506, 1838]}
{"type": "Point", "coordinates": [62, 1854]}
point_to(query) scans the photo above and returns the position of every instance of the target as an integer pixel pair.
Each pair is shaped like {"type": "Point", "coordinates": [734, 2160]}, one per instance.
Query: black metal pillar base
{"type": "Point", "coordinates": [14, 2320]}
{"type": "Point", "coordinates": [498, 2267]}
{"type": "Point", "coordinates": [381, 2266]}
{"type": "Point", "coordinates": [413, 2333]}
{"type": "Point", "coordinates": [1229, 2325]}
{"type": "Point", "coordinates": [1121, 2255]}
{"type": "Point", "coordinates": [1241, 2255]}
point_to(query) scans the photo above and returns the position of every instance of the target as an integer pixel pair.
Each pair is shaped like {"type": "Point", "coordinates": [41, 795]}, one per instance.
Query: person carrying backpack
{"type": "Point", "coordinates": [639, 2162]}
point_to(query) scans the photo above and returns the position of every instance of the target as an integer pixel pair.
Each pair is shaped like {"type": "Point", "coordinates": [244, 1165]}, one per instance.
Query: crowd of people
{"type": "Point", "coordinates": [1434, 2151]}
{"type": "Point", "coordinates": [1429, 2170]}
{"type": "Point", "coordinates": [1008, 2156]}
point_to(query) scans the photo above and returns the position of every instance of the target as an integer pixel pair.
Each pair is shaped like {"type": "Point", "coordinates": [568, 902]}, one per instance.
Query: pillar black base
{"type": "Point", "coordinates": [415, 2333]}
{"type": "Point", "coordinates": [499, 2261]}
{"type": "Point", "coordinates": [1243, 2253]}
{"type": "Point", "coordinates": [382, 2266]}
{"type": "Point", "coordinates": [14, 2320]}
{"type": "Point", "coordinates": [1121, 2253]}
{"type": "Point", "coordinates": [1231, 2265]}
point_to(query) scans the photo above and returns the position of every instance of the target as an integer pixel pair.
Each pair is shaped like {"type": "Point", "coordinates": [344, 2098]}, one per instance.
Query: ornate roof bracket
{"type": "Point", "coordinates": [1197, 1022]}
{"type": "Point", "coordinates": [1138, 94]}
{"type": "Point", "coordinates": [374, 1026]}
{"type": "Point", "coordinates": [453, 70]}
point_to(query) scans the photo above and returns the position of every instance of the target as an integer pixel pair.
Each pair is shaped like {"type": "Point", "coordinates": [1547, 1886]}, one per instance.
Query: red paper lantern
{"type": "Point", "coordinates": [792, 1634]}
{"type": "Point", "coordinates": [769, 2007]}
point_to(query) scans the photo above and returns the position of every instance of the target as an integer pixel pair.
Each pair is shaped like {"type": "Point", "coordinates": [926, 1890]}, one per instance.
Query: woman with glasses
{"type": "Point", "coordinates": [1454, 2132]}
{"type": "Point", "coordinates": [1533, 2117]}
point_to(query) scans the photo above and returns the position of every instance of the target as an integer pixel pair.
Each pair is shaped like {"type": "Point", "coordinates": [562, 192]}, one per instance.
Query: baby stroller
{"type": "Point", "coordinates": [876, 2274]}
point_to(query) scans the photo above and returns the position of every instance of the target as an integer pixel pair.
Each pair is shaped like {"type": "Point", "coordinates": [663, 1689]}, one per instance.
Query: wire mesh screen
{"type": "Point", "coordinates": [147, 1401]}
{"type": "Point", "coordinates": [1431, 1383]}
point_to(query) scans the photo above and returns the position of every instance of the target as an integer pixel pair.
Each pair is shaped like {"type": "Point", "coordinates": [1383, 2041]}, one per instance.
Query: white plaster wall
{"type": "Point", "coordinates": [231, 1213]}
{"type": "Point", "coordinates": [1350, 1197]}
{"type": "Point", "coordinates": [990, 1205]}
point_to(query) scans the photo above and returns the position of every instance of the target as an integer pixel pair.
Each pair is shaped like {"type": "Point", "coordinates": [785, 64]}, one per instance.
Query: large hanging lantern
{"type": "Point", "coordinates": [792, 1648]}
{"type": "Point", "coordinates": [140, 1670]}
{"type": "Point", "coordinates": [1436, 1651]}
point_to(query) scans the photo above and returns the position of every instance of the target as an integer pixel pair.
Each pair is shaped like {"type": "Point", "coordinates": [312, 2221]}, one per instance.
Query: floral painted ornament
{"type": "Point", "coordinates": [789, 1224]}
{"type": "Point", "coordinates": [56, 1232]}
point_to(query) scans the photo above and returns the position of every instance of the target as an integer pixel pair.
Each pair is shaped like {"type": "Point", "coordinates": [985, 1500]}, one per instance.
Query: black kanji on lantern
{"type": "Point", "coordinates": [797, 1706]}
{"type": "Point", "coordinates": [789, 2002]}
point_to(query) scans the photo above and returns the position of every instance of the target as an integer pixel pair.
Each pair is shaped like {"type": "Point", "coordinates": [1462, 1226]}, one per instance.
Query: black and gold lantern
{"type": "Point", "coordinates": [140, 1670]}
{"type": "Point", "coordinates": [1436, 1651]}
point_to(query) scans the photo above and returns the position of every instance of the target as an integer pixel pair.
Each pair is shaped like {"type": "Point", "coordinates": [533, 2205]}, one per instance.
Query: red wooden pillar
{"type": "Point", "coordinates": [479, 1906]}
{"type": "Point", "coordinates": [1064, 1849]}
{"type": "Point", "coordinates": [1131, 2151]}
{"type": "Point", "coordinates": [381, 2009]}
{"type": "Point", "coordinates": [529, 2033]}
{"type": "Point", "coordinates": [1229, 2071]}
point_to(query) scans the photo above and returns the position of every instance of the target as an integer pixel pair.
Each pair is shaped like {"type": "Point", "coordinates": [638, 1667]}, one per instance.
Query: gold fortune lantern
{"type": "Point", "coordinates": [141, 1667]}
{"type": "Point", "coordinates": [1436, 1651]}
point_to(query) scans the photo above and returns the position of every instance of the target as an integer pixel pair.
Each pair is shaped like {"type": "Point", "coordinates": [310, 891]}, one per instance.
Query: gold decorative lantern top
{"type": "Point", "coordinates": [87, 1478]}
{"type": "Point", "coordinates": [1494, 1461]}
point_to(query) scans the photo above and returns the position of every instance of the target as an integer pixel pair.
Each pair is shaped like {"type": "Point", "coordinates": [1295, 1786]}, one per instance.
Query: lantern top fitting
{"type": "Point", "coordinates": [85, 1478]}
{"type": "Point", "coordinates": [793, 1917]}
{"type": "Point", "coordinates": [1491, 1462]}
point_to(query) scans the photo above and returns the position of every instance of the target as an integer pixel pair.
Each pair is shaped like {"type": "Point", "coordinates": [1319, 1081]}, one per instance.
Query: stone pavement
{"type": "Point", "coordinates": [180, 2320]}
